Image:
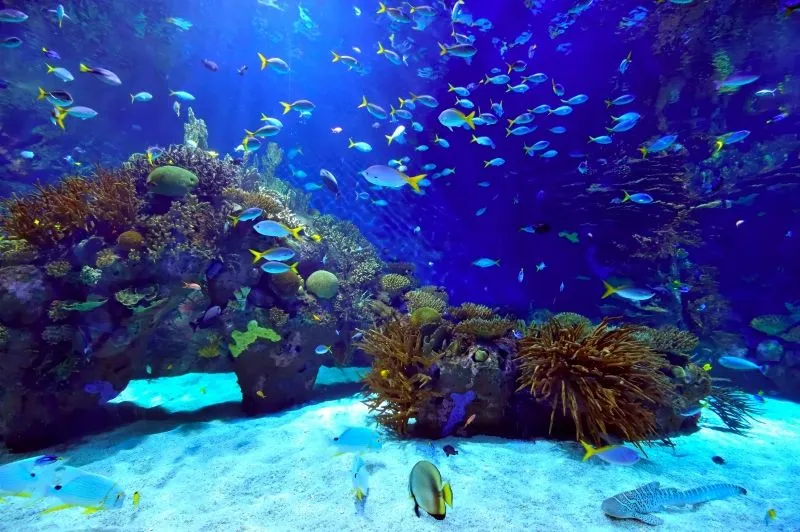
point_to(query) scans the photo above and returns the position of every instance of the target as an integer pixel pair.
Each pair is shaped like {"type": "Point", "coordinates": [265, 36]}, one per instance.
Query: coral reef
{"type": "Point", "coordinates": [466, 311]}
{"type": "Point", "coordinates": [667, 339]}
{"type": "Point", "coordinates": [399, 374]}
{"type": "Point", "coordinates": [484, 329]}
{"type": "Point", "coordinates": [58, 268]}
{"type": "Point", "coordinates": [606, 382]}
{"type": "Point", "coordinates": [429, 297]}
{"type": "Point", "coordinates": [104, 205]}
{"type": "Point", "coordinates": [349, 252]}
{"type": "Point", "coordinates": [244, 339]}
{"type": "Point", "coordinates": [190, 226]}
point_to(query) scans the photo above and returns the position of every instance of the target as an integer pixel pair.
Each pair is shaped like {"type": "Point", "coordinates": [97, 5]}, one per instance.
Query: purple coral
{"type": "Point", "coordinates": [459, 410]}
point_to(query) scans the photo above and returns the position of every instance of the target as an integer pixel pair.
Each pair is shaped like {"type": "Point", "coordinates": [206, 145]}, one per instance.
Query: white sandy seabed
{"type": "Point", "coordinates": [280, 473]}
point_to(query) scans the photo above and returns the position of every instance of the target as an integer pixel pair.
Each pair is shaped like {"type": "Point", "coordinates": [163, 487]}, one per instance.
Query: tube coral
{"type": "Point", "coordinates": [607, 381]}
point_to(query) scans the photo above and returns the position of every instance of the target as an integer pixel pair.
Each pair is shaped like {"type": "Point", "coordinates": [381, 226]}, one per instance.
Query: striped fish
{"type": "Point", "coordinates": [638, 503]}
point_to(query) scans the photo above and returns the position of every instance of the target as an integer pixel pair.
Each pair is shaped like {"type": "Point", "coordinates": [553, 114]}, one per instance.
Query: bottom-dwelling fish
{"type": "Point", "coordinates": [78, 489]}
{"type": "Point", "coordinates": [425, 485]}
{"type": "Point", "coordinates": [644, 500]}
{"type": "Point", "coordinates": [27, 478]}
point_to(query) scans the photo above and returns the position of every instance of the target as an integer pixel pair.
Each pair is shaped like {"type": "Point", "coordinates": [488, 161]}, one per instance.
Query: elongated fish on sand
{"type": "Point", "coordinates": [644, 500]}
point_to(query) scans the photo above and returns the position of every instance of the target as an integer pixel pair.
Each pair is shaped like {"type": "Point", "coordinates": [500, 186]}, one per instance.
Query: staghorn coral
{"type": "Point", "coordinates": [667, 339]}
{"type": "Point", "coordinates": [608, 382]}
{"type": "Point", "coordinates": [104, 205]}
{"type": "Point", "coordinates": [427, 296]}
{"type": "Point", "coordinates": [349, 253]}
{"type": "Point", "coordinates": [399, 374]}
{"type": "Point", "coordinates": [466, 311]}
{"type": "Point", "coordinates": [57, 268]}
{"type": "Point", "coordinates": [394, 283]}
{"type": "Point", "coordinates": [483, 329]}
{"type": "Point", "coordinates": [189, 226]}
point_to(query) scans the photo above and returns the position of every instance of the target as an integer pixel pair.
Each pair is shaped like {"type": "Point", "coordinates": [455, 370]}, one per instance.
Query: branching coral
{"type": "Point", "coordinates": [348, 251]}
{"type": "Point", "coordinates": [189, 226]}
{"type": "Point", "coordinates": [394, 283]}
{"type": "Point", "coordinates": [484, 329]}
{"type": "Point", "coordinates": [399, 374]}
{"type": "Point", "coordinates": [667, 339]}
{"type": "Point", "coordinates": [466, 311]}
{"type": "Point", "coordinates": [427, 296]}
{"type": "Point", "coordinates": [734, 407]}
{"type": "Point", "coordinates": [608, 382]}
{"type": "Point", "coordinates": [104, 205]}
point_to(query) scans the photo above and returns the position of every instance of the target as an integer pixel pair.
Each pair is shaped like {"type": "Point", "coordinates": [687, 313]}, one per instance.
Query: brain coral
{"type": "Point", "coordinates": [171, 181]}
{"type": "Point", "coordinates": [322, 284]}
{"type": "Point", "coordinates": [130, 240]}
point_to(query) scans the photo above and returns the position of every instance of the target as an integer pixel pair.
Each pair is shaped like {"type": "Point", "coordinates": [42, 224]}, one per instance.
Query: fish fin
{"type": "Point", "coordinates": [648, 519]}
{"type": "Point", "coordinates": [286, 107]}
{"type": "Point", "coordinates": [234, 219]}
{"type": "Point", "coordinates": [132, 98]}
{"type": "Point", "coordinates": [249, 133]}
{"type": "Point", "coordinates": [592, 139]}
{"type": "Point", "coordinates": [510, 68]}
{"type": "Point", "coordinates": [474, 139]}
{"type": "Point", "coordinates": [442, 49]}
{"type": "Point", "coordinates": [49, 68]}
{"type": "Point", "coordinates": [414, 181]}
{"type": "Point", "coordinates": [363, 103]}
{"type": "Point", "coordinates": [381, 8]}
{"type": "Point", "coordinates": [264, 117]}
{"type": "Point", "coordinates": [509, 87]}
{"type": "Point", "coordinates": [416, 507]}
{"type": "Point", "coordinates": [60, 120]}
{"type": "Point", "coordinates": [508, 132]}
{"type": "Point", "coordinates": [263, 60]}
{"type": "Point", "coordinates": [42, 94]}
{"type": "Point", "coordinates": [293, 267]}
{"type": "Point", "coordinates": [381, 49]}
{"type": "Point", "coordinates": [84, 68]}
{"type": "Point", "coordinates": [718, 146]}
{"type": "Point", "coordinates": [296, 232]}
{"type": "Point", "coordinates": [257, 255]}
{"type": "Point", "coordinates": [450, 87]}
{"type": "Point", "coordinates": [590, 451]}
{"type": "Point", "coordinates": [57, 508]}
{"type": "Point", "coordinates": [350, 143]}
{"type": "Point", "coordinates": [414, 97]}
{"type": "Point", "coordinates": [610, 290]}
{"type": "Point", "coordinates": [644, 152]}
{"type": "Point", "coordinates": [336, 56]}
{"type": "Point", "coordinates": [171, 92]}
{"type": "Point", "coordinates": [447, 493]}
{"type": "Point", "coordinates": [469, 120]}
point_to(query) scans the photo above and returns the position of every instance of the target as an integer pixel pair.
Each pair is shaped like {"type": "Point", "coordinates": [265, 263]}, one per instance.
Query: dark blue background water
{"type": "Point", "coordinates": [758, 263]}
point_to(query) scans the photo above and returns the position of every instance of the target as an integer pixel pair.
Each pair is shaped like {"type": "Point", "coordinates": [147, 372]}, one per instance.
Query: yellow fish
{"type": "Point", "coordinates": [136, 498]}
{"type": "Point", "coordinates": [316, 238]}
{"type": "Point", "coordinates": [260, 393]}
{"type": "Point", "coordinates": [384, 373]}
{"type": "Point", "coordinates": [707, 367]}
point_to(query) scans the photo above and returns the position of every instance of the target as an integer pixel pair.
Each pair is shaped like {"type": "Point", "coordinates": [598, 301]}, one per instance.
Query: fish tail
{"type": "Point", "coordinates": [610, 130]}
{"type": "Point", "coordinates": [84, 68]}
{"type": "Point", "coordinates": [171, 92]}
{"type": "Point", "coordinates": [392, 111]}
{"type": "Point", "coordinates": [389, 138]}
{"type": "Point", "coordinates": [442, 49]}
{"type": "Point", "coordinates": [509, 87]}
{"type": "Point", "coordinates": [590, 451]}
{"type": "Point", "coordinates": [60, 120]}
{"type": "Point", "coordinates": [447, 493]}
{"type": "Point", "coordinates": [263, 60]}
{"type": "Point", "coordinates": [644, 152]}
{"type": "Point", "coordinates": [381, 49]}
{"type": "Point", "coordinates": [49, 68]}
{"type": "Point", "coordinates": [57, 508]}
{"type": "Point", "coordinates": [381, 8]}
{"type": "Point", "coordinates": [608, 103]}
{"type": "Point", "coordinates": [629, 55]}
{"type": "Point", "coordinates": [450, 87]}
{"type": "Point", "coordinates": [249, 133]}
{"type": "Point", "coordinates": [627, 196]}
{"type": "Point", "coordinates": [414, 97]}
{"type": "Point", "coordinates": [474, 139]}
{"type": "Point", "coordinates": [132, 98]}
{"type": "Point", "coordinates": [351, 143]}
{"type": "Point", "coordinates": [363, 103]}
{"type": "Point", "coordinates": [469, 120]}
{"type": "Point", "coordinates": [718, 146]}
{"type": "Point", "coordinates": [508, 132]}
{"type": "Point", "coordinates": [336, 56]}
{"type": "Point", "coordinates": [234, 219]}
{"type": "Point", "coordinates": [286, 107]}
{"type": "Point", "coordinates": [293, 268]}
{"type": "Point", "coordinates": [510, 122]}
{"type": "Point", "coordinates": [296, 231]}
{"type": "Point", "coordinates": [414, 181]}
{"type": "Point", "coordinates": [42, 94]}
{"type": "Point", "coordinates": [257, 255]}
{"type": "Point", "coordinates": [263, 117]}
{"type": "Point", "coordinates": [610, 290]}
{"type": "Point", "coordinates": [486, 164]}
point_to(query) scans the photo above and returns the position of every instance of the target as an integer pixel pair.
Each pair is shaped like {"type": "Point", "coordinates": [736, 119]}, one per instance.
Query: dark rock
{"type": "Point", "coordinates": [24, 295]}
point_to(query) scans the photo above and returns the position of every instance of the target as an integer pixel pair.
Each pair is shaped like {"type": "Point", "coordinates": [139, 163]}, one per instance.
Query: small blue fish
{"type": "Point", "coordinates": [322, 349]}
{"type": "Point", "coordinates": [621, 100]}
{"type": "Point", "coordinates": [497, 161]}
{"type": "Point", "coordinates": [541, 266]}
{"type": "Point", "coordinates": [357, 440]}
{"type": "Point", "coordinates": [480, 211]}
{"type": "Point", "coordinates": [521, 275]}
{"type": "Point", "coordinates": [576, 100]}
{"type": "Point", "coordinates": [603, 139]}
{"type": "Point", "coordinates": [624, 64]}
{"type": "Point", "coordinates": [641, 198]}
{"type": "Point", "coordinates": [246, 215]}
{"type": "Point", "coordinates": [421, 147]}
{"type": "Point", "coordinates": [558, 89]}
{"type": "Point", "coordinates": [486, 263]}
{"type": "Point", "coordinates": [497, 108]}
{"type": "Point", "coordinates": [275, 267]}
{"type": "Point", "coordinates": [549, 154]}
{"type": "Point", "coordinates": [558, 130]}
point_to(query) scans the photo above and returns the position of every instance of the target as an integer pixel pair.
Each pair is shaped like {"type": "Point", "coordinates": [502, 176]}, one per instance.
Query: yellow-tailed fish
{"type": "Point", "coordinates": [427, 490]}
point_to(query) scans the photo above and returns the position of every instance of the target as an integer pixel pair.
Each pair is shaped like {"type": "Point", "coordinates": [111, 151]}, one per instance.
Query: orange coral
{"type": "Point", "coordinates": [609, 382]}
{"type": "Point", "coordinates": [105, 205]}
{"type": "Point", "coordinates": [399, 373]}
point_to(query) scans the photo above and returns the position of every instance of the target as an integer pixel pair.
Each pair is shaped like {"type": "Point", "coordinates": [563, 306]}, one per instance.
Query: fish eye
{"type": "Point", "coordinates": [33, 475]}
{"type": "Point", "coordinates": [58, 487]}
